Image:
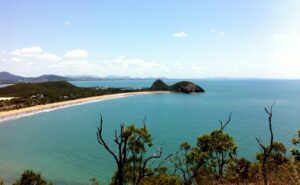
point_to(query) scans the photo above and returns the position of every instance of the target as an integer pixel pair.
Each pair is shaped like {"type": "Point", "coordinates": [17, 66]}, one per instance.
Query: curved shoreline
{"type": "Point", "coordinates": [27, 111]}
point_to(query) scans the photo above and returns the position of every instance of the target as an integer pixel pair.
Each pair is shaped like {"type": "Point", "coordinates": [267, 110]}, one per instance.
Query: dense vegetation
{"type": "Point", "coordinates": [50, 89]}
{"type": "Point", "coordinates": [30, 94]}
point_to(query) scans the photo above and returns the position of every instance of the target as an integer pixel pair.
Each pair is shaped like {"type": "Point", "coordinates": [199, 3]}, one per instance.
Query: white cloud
{"type": "Point", "coordinates": [121, 65]}
{"type": "Point", "coordinates": [280, 37]}
{"type": "Point", "coordinates": [286, 37]}
{"type": "Point", "coordinates": [67, 23]}
{"type": "Point", "coordinates": [197, 68]}
{"type": "Point", "coordinates": [178, 64]}
{"type": "Point", "coordinates": [180, 34]}
{"type": "Point", "coordinates": [33, 61]}
{"type": "Point", "coordinates": [217, 33]}
{"type": "Point", "coordinates": [79, 67]}
{"type": "Point", "coordinates": [134, 67]}
{"type": "Point", "coordinates": [35, 52]}
{"type": "Point", "coordinates": [16, 59]}
{"type": "Point", "coordinates": [49, 56]}
{"type": "Point", "coordinates": [27, 51]}
{"type": "Point", "coordinates": [284, 63]}
{"type": "Point", "coordinates": [77, 53]}
{"type": "Point", "coordinates": [122, 61]}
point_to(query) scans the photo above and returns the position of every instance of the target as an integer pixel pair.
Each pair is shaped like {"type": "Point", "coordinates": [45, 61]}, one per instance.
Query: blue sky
{"type": "Point", "coordinates": [141, 38]}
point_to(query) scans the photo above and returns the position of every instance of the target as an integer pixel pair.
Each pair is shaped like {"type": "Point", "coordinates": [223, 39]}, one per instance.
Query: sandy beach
{"type": "Point", "coordinates": [39, 108]}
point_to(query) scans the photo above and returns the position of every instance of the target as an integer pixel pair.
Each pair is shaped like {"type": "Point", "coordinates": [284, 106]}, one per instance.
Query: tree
{"type": "Point", "coordinates": [266, 150]}
{"type": "Point", "coordinates": [276, 158]}
{"type": "Point", "coordinates": [29, 177]}
{"type": "Point", "coordinates": [120, 157]}
{"type": "Point", "coordinates": [133, 165]}
{"type": "Point", "coordinates": [239, 170]}
{"type": "Point", "coordinates": [187, 163]}
{"type": "Point", "coordinates": [139, 165]}
{"type": "Point", "coordinates": [220, 148]}
{"type": "Point", "coordinates": [209, 157]}
{"type": "Point", "coordinates": [295, 152]}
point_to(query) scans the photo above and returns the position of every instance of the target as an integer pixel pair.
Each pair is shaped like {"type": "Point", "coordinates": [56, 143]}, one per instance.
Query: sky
{"type": "Point", "coordinates": [157, 38]}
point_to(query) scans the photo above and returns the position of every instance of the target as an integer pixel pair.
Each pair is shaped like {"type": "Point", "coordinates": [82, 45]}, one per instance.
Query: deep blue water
{"type": "Point", "coordinates": [62, 143]}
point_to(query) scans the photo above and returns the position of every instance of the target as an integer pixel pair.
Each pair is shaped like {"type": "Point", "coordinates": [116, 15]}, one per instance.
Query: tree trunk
{"type": "Point", "coordinates": [264, 174]}
{"type": "Point", "coordinates": [120, 176]}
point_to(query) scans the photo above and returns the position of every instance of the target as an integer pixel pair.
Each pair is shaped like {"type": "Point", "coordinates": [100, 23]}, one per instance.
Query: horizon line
{"type": "Point", "coordinates": [124, 77]}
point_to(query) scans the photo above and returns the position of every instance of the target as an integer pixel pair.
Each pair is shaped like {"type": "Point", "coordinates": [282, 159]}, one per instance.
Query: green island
{"type": "Point", "coordinates": [32, 94]}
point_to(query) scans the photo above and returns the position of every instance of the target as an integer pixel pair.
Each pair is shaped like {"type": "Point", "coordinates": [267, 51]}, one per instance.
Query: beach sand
{"type": "Point", "coordinates": [6, 98]}
{"type": "Point", "coordinates": [12, 114]}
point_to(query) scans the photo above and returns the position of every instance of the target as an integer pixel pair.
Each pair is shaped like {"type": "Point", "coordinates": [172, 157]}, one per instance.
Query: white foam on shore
{"type": "Point", "coordinates": [25, 114]}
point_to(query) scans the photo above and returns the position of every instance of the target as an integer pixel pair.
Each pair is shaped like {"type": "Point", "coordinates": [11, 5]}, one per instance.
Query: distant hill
{"type": "Point", "coordinates": [6, 77]}
{"type": "Point", "coordinates": [48, 89]}
{"type": "Point", "coordinates": [183, 86]}
{"type": "Point", "coordinates": [51, 78]}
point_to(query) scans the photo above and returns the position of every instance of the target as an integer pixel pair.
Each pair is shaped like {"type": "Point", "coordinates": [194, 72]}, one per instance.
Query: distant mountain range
{"type": "Point", "coordinates": [8, 78]}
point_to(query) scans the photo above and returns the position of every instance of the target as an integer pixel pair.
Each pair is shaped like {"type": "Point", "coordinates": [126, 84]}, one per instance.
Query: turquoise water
{"type": "Point", "coordinates": [62, 143]}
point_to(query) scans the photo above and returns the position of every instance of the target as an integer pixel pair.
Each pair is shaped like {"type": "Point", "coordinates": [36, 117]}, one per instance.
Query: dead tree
{"type": "Point", "coordinates": [266, 151]}
{"type": "Point", "coordinates": [130, 156]}
{"type": "Point", "coordinates": [122, 145]}
{"type": "Point", "coordinates": [222, 125]}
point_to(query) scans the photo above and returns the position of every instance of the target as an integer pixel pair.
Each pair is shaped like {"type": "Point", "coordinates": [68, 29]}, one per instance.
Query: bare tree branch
{"type": "Point", "coordinates": [267, 150]}
{"type": "Point", "coordinates": [101, 140]}
{"type": "Point", "coordinates": [224, 125]}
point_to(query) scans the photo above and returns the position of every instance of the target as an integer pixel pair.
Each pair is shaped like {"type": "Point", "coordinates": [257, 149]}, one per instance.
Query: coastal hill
{"type": "Point", "coordinates": [31, 94]}
{"type": "Point", "coordinates": [6, 77]}
{"type": "Point", "coordinates": [183, 86]}
{"type": "Point", "coordinates": [159, 85]}
{"type": "Point", "coordinates": [49, 89]}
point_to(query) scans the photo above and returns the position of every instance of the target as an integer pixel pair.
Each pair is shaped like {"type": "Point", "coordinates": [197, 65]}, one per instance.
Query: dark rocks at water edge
{"type": "Point", "coordinates": [183, 86]}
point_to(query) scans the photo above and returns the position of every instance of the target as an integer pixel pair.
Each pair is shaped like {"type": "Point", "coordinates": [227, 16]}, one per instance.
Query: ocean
{"type": "Point", "coordinates": [62, 144]}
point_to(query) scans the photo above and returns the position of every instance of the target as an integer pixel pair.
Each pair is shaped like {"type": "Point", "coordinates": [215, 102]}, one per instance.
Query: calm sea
{"type": "Point", "coordinates": [62, 143]}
